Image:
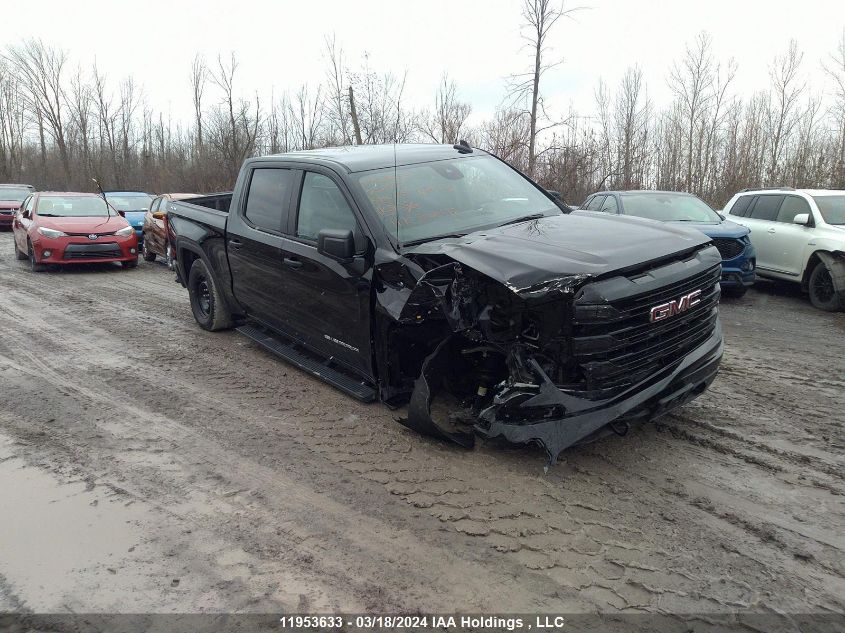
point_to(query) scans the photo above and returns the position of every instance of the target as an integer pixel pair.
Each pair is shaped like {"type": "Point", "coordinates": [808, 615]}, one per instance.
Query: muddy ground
{"type": "Point", "coordinates": [150, 466]}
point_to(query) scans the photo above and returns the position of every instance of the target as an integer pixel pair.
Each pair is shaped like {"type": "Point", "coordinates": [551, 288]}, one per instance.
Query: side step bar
{"type": "Point", "coordinates": [325, 369]}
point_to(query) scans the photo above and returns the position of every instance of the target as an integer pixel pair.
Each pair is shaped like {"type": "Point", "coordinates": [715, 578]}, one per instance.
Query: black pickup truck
{"type": "Point", "coordinates": [442, 278]}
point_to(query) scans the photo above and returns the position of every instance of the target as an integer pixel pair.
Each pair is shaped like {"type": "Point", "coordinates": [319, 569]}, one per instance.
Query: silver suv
{"type": "Point", "coordinates": [799, 235]}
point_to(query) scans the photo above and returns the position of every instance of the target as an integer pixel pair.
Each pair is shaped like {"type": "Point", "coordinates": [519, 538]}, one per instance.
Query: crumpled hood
{"type": "Point", "coordinates": [85, 224]}
{"type": "Point", "coordinates": [726, 228]}
{"type": "Point", "coordinates": [564, 248]}
{"type": "Point", "coordinates": [10, 204]}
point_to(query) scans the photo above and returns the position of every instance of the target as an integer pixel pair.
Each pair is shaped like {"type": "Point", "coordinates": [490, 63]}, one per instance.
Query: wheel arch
{"type": "Point", "coordinates": [187, 254]}
{"type": "Point", "coordinates": [834, 260]}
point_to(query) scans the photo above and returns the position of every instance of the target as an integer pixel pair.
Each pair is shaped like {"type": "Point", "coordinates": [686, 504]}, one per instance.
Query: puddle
{"type": "Point", "coordinates": [62, 541]}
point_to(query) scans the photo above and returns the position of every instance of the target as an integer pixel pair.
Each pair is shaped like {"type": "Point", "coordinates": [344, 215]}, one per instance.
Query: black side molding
{"type": "Point", "coordinates": [296, 354]}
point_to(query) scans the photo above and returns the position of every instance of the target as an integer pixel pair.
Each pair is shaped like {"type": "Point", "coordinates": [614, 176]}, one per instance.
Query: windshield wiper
{"type": "Point", "coordinates": [431, 239]}
{"type": "Point", "coordinates": [525, 218]}
{"type": "Point", "coordinates": [49, 215]}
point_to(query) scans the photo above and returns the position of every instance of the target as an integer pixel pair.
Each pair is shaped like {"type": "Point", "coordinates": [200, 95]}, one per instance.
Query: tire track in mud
{"type": "Point", "coordinates": [618, 525]}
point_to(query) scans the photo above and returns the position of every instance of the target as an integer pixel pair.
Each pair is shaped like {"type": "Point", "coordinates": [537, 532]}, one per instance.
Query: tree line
{"type": "Point", "coordinates": [61, 125]}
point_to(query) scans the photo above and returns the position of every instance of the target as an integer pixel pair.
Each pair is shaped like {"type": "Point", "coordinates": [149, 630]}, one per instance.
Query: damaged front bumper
{"type": "Point", "coordinates": [565, 419]}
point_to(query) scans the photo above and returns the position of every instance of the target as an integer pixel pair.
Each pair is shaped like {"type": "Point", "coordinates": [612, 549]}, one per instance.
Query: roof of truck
{"type": "Point", "coordinates": [365, 157]}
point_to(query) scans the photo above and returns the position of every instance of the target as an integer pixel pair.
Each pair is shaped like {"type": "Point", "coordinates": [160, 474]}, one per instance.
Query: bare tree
{"type": "Point", "coordinates": [235, 123]}
{"type": "Point", "coordinates": [338, 113]}
{"type": "Point", "coordinates": [13, 124]}
{"type": "Point", "coordinates": [445, 122]}
{"type": "Point", "coordinates": [199, 76]}
{"type": "Point", "coordinates": [353, 113]}
{"type": "Point", "coordinates": [42, 71]}
{"type": "Point", "coordinates": [781, 117]}
{"type": "Point", "coordinates": [540, 17]}
{"type": "Point", "coordinates": [835, 70]}
{"type": "Point", "coordinates": [306, 116]}
{"type": "Point", "coordinates": [692, 81]}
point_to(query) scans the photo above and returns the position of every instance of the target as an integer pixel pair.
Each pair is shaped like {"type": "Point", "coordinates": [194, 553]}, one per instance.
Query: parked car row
{"type": "Point", "coordinates": [778, 233]}
{"type": "Point", "coordinates": [55, 228]}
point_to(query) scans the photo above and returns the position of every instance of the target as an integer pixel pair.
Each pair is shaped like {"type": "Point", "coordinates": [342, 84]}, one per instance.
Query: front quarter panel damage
{"type": "Point", "coordinates": [473, 355]}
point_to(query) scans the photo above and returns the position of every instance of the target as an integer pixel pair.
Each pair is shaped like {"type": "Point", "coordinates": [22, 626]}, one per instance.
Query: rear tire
{"type": "Point", "coordinates": [823, 293]}
{"type": "Point", "coordinates": [209, 308]}
{"type": "Point", "coordinates": [18, 255]}
{"type": "Point", "coordinates": [735, 292]}
{"type": "Point", "coordinates": [149, 256]}
{"type": "Point", "coordinates": [35, 266]}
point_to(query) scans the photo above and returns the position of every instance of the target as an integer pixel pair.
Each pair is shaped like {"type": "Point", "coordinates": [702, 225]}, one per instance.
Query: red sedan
{"type": "Point", "coordinates": [72, 228]}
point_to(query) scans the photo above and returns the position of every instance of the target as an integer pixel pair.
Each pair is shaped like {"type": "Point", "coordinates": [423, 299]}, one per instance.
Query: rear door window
{"type": "Point", "coordinates": [792, 206]}
{"type": "Point", "coordinates": [741, 205]}
{"type": "Point", "coordinates": [268, 198]}
{"type": "Point", "coordinates": [322, 205]}
{"type": "Point", "coordinates": [767, 208]}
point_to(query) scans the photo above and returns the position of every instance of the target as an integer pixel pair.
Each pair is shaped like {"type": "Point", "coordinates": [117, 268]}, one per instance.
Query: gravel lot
{"type": "Point", "coordinates": [151, 466]}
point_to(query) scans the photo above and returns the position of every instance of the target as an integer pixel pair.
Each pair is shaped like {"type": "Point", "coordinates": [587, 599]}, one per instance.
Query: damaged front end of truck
{"type": "Point", "coordinates": [549, 359]}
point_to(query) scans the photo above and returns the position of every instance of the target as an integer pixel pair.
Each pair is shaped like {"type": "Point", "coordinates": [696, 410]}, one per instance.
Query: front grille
{"type": "Point", "coordinates": [728, 246]}
{"type": "Point", "coordinates": [99, 250]}
{"type": "Point", "coordinates": [616, 345]}
{"type": "Point", "coordinates": [87, 234]}
{"type": "Point", "coordinates": [115, 254]}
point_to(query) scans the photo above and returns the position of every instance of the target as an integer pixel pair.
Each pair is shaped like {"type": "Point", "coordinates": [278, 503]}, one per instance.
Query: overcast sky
{"type": "Point", "coordinates": [280, 44]}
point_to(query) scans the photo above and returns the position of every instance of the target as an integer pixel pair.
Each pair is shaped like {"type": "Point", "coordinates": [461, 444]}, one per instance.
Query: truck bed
{"type": "Point", "coordinates": [210, 210]}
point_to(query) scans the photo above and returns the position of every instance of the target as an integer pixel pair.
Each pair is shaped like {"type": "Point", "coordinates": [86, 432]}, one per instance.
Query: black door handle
{"type": "Point", "coordinates": [235, 243]}
{"type": "Point", "coordinates": [292, 263]}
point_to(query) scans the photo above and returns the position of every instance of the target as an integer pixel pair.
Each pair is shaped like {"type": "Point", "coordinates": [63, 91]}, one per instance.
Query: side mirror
{"type": "Point", "coordinates": [336, 243]}
{"type": "Point", "coordinates": [721, 215]}
{"type": "Point", "coordinates": [159, 215]}
{"type": "Point", "coordinates": [553, 194]}
{"type": "Point", "coordinates": [121, 213]}
{"type": "Point", "coordinates": [802, 218]}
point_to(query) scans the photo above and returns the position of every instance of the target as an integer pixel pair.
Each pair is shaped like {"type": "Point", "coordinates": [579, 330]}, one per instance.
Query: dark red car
{"type": "Point", "coordinates": [11, 197]}
{"type": "Point", "coordinates": [72, 228]}
{"type": "Point", "coordinates": [155, 242]}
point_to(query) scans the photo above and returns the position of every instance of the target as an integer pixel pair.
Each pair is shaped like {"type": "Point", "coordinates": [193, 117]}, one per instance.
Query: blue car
{"type": "Point", "coordinates": [132, 205]}
{"type": "Point", "coordinates": [738, 257]}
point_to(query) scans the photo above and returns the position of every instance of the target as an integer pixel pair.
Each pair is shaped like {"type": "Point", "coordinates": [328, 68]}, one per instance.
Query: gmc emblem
{"type": "Point", "coordinates": [665, 310]}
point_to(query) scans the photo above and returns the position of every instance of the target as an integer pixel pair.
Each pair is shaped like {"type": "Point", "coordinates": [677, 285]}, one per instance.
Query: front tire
{"type": "Point", "coordinates": [823, 294]}
{"type": "Point", "coordinates": [130, 264]}
{"type": "Point", "coordinates": [149, 256]}
{"type": "Point", "coordinates": [209, 308]}
{"type": "Point", "coordinates": [34, 265]}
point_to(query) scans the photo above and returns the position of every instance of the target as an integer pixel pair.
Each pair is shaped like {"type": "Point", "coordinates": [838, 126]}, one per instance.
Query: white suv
{"type": "Point", "coordinates": [799, 235]}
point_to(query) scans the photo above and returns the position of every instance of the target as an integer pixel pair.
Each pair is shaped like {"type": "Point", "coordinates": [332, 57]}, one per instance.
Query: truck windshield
{"type": "Point", "coordinates": [451, 197]}
{"type": "Point", "coordinates": [11, 193]}
{"type": "Point", "coordinates": [129, 203]}
{"type": "Point", "coordinates": [667, 207]}
{"type": "Point", "coordinates": [72, 206]}
{"type": "Point", "coordinates": [832, 208]}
